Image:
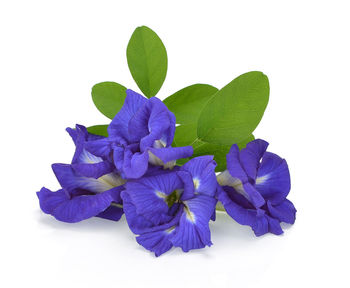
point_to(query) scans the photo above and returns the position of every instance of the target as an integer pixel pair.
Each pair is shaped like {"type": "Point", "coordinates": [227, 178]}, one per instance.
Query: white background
{"type": "Point", "coordinates": [53, 52]}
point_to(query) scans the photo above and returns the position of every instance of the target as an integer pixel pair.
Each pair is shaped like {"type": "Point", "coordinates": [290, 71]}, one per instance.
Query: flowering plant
{"type": "Point", "coordinates": [165, 165]}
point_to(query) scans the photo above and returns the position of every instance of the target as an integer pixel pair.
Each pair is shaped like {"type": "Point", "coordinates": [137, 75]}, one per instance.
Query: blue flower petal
{"type": "Point", "coordinates": [193, 230]}
{"type": "Point", "coordinates": [148, 204]}
{"type": "Point", "coordinates": [252, 194]}
{"type": "Point", "coordinates": [152, 122]}
{"type": "Point", "coordinates": [84, 162]}
{"type": "Point", "coordinates": [72, 133]}
{"type": "Point", "coordinates": [202, 170]}
{"type": "Point", "coordinates": [118, 158]}
{"type": "Point", "coordinates": [119, 125]}
{"type": "Point", "coordinates": [238, 198]}
{"type": "Point", "coordinates": [239, 213]}
{"type": "Point", "coordinates": [273, 180]}
{"type": "Point", "coordinates": [245, 189]}
{"type": "Point", "coordinates": [100, 148]}
{"type": "Point", "coordinates": [49, 200]}
{"type": "Point", "coordinates": [71, 210]}
{"type": "Point", "coordinates": [81, 131]}
{"type": "Point", "coordinates": [158, 239]}
{"type": "Point", "coordinates": [233, 164]}
{"type": "Point", "coordinates": [171, 153]}
{"type": "Point", "coordinates": [169, 136]}
{"type": "Point", "coordinates": [113, 213]}
{"type": "Point", "coordinates": [284, 212]}
{"type": "Point", "coordinates": [149, 195]}
{"type": "Point", "coordinates": [86, 157]}
{"type": "Point", "coordinates": [251, 155]}
{"type": "Point", "coordinates": [187, 180]}
{"type": "Point", "coordinates": [80, 136]}
{"type": "Point", "coordinates": [274, 226]}
{"type": "Point", "coordinates": [95, 170]}
{"type": "Point", "coordinates": [261, 224]}
{"type": "Point", "coordinates": [137, 223]}
{"type": "Point", "coordinates": [70, 180]}
{"type": "Point", "coordinates": [134, 165]}
{"type": "Point", "coordinates": [157, 242]}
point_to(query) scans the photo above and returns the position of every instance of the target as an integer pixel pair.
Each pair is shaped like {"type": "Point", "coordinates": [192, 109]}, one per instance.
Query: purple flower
{"type": "Point", "coordinates": [141, 133]}
{"type": "Point", "coordinates": [173, 208]}
{"type": "Point", "coordinates": [90, 187]}
{"type": "Point", "coordinates": [254, 188]}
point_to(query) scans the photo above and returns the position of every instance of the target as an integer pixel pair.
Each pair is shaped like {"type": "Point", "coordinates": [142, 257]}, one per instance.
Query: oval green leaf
{"type": "Point", "coordinates": [108, 97]}
{"type": "Point", "coordinates": [233, 113]}
{"type": "Point", "coordinates": [147, 60]}
{"type": "Point", "coordinates": [188, 103]}
{"type": "Point", "coordinates": [98, 130]}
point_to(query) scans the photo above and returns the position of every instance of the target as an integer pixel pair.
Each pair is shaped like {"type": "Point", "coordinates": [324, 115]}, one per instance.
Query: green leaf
{"type": "Point", "coordinates": [185, 134]}
{"type": "Point", "coordinates": [98, 130]}
{"type": "Point", "coordinates": [108, 98]}
{"type": "Point", "coordinates": [188, 103]}
{"type": "Point", "coordinates": [147, 60]}
{"type": "Point", "coordinates": [233, 113]}
{"type": "Point", "coordinates": [219, 151]}
{"type": "Point", "coordinates": [182, 161]}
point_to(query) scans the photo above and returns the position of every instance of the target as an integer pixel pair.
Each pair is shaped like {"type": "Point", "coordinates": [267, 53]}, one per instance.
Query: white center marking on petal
{"type": "Point", "coordinates": [237, 184]}
{"type": "Point", "coordinates": [170, 230]}
{"type": "Point", "coordinates": [154, 160]}
{"type": "Point", "coordinates": [225, 179]}
{"type": "Point", "coordinates": [102, 184]}
{"type": "Point", "coordinates": [110, 181]}
{"type": "Point", "coordinates": [159, 144]}
{"type": "Point", "coordinates": [161, 195]}
{"type": "Point", "coordinates": [189, 215]}
{"type": "Point", "coordinates": [262, 179]}
{"type": "Point", "coordinates": [169, 165]}
{"type": "Point", "coordinates": [87, 157]}
{"type": "Point", "coordinates": [196, 183]}
{"type": "Point", "coordinates": [117, 205]}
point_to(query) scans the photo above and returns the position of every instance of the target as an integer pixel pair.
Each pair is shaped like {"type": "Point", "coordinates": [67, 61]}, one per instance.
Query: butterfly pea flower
{"type": "Point", "coordinates": [90, 186]}
{"type": "Point", "coordinates": [140, 134]}
{"type": "Point", "coordinates": [173, 208]}
{"type": "Point", "coordinates": [254, 188]}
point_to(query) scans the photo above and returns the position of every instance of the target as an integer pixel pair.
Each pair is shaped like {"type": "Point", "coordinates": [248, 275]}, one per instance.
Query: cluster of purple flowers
{"type": "Point", "coordinates": [134, 171]}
